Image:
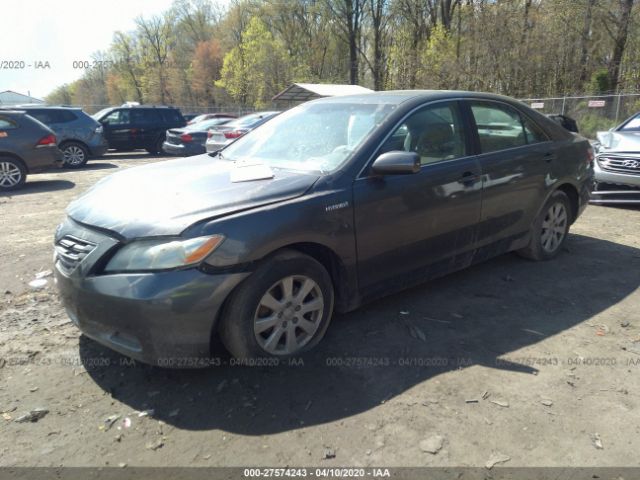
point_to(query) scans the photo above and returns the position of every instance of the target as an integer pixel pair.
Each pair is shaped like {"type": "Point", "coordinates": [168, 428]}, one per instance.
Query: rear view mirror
{"type": "Point", "coordinates": [396, 163]}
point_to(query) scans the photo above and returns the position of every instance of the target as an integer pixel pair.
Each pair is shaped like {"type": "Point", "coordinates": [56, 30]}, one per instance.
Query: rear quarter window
{"type": "Point", "coordinates": [7, 124]}
{"type": "Point", "coordinates": [43, 116]}
{"type": "Point", "coordinates": [65, 116]}
{"type": "Point", "coordinates": [173, 117]}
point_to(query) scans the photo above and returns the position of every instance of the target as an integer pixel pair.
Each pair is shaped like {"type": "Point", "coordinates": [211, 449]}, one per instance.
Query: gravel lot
{"type": "Point", "coordinates": [535, 364]}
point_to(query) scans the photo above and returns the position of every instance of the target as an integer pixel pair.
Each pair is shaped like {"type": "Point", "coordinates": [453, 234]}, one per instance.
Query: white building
{"type": "Point", "coordinates": [9, 97]}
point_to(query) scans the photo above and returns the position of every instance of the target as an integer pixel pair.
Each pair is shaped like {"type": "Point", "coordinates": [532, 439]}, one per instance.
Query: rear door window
{"type": "Point", "coordinates": [533, 132]}
{"type": "Point", "coordinates": [144, 117]}
{"type": "Point", "coordinates": [117, 117]}
{"type": "Point", "coordinates": [499, 126]}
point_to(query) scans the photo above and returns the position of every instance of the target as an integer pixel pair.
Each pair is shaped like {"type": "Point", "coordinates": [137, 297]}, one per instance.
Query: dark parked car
{"type": "Point", "coordinates": [333, 203]}
{"type": "Point", "coordinates": [79, 136]}
{"type": "Point", "coordinates": [190, 140]}
{"type": "Point", "coordinates": [208, 116]}
{"type": "Point", "coordinates": [133, 127]}
{"type": "Point", "coordinates": [223, 135]}
{"type": "Point", "coordinates": [26, 146]}
{"type": "Point", "coordinates": [567, 122]}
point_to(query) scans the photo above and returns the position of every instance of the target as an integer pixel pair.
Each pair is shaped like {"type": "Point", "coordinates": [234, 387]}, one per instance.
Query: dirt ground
{"type": "Point", "coordinates": [537, 364]}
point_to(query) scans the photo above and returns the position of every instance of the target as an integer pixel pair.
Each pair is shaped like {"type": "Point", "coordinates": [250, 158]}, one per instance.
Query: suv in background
{"type": "Point", "coordinates": [26, 146]}
{"type": "Point", "coordinates": [79, 136]}
{"type": "Point", "coordinates": [132, 127]}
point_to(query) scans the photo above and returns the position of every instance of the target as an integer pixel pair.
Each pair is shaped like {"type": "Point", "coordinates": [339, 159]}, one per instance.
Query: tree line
{"type": "Point", "coordinates": [201, 53]}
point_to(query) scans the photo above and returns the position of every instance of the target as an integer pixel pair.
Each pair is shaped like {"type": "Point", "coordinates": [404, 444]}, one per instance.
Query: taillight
{"type": "Point", "coordinates": [47, 141]}
{"type": "Point", "coordinates": [590, 156]}
{"type": "Point", "coordinates": [209, 134]}
{"type": "Point", "coordinates": [233, 134]}
{"type": "Point", "coordinates": [185, 137]}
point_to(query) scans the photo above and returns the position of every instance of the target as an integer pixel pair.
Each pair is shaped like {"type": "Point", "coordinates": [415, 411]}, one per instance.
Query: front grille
{"type": "Point", "coordinates": [70, 251]}
{"type": "Point", "coordinates": [617, 164]}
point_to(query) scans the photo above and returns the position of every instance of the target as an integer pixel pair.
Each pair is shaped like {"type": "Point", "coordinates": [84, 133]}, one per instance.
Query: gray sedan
{"type": "Point", "coordinates": [26, 146]}
{"type": "Point", "coordinates": [331, 204]}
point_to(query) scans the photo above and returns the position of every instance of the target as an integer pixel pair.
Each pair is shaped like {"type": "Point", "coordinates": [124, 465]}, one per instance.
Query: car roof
{"type": "Point", "coordinates": [44, 107]}
{"type": "Point", "coordinates": [396, 97]}
{"type": "Point", "coordinates": [148, 106]}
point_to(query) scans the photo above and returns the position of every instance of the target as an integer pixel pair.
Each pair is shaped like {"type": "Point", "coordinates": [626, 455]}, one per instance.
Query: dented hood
{"type": "Point", "coordinates": [619, 141]}
{"type": "Point", "coordinates": [167, 197]}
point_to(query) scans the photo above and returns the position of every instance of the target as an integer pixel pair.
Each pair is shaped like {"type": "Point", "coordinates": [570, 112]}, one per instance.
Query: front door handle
{"type": "Point", "coordinates": [549, 156]}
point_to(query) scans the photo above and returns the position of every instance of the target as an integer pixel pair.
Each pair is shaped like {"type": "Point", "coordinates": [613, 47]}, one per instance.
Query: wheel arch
{"type": "Point", "coordinates": [570, 191]}
{"type": "Point", "coordinates": [328, 258]}
{"type": "Point", "coordinates": [67, 141]}
{"type": "Point", "coordinates": [15, 157]}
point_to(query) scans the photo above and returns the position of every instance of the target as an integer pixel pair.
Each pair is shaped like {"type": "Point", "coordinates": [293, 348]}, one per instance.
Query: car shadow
{"type": "Point", "coordinates": [98, 166]}
{"type": "Point", "coordinates": [385, 348]}
{"type": "Point", "coordinates": [133, 155]}
{"type": "Point", "coordinates": [40, 186]}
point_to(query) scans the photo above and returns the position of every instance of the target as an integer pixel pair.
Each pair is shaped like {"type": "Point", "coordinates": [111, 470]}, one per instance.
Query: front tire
{"type": "Point", "coordinates": [281, 310]}
{"type": "Point", "coordinates": [13, 174]}
{"type": "Point", "coordinates": [75, 155]}
{"type": "Point", "coordinates": [550, 229]}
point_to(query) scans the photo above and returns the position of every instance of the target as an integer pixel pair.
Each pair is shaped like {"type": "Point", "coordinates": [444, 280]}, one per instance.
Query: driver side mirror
{"type": "Point", "coordinates": [397, 163]}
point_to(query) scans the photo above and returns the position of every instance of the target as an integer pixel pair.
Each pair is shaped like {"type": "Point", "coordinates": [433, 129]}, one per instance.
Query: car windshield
{"type": "Point", "coordinates": [633, 124]}
{"type": "Point", "coordinates": [206, 124]}
{"type": "Point", "coordinates": [249, 120]}
{"type": "Point", "coordinates": [318, 137]}
{"type": "Point", "coordinates": [101, 113]}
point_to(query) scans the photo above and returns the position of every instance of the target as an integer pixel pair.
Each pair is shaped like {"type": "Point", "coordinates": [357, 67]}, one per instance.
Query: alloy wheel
{"type": "Point", "coordinates": [288, 315]}
{"type": "Point", "coordinates": [73, 155]}
{"type": "Point", "coordinates": [554, 227]}
{"type": "Point", "coordinates": [10, 174]}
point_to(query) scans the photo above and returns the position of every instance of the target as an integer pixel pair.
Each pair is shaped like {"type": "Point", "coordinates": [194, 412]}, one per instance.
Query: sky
{"type": "Point", "coordinates": [60, 32]}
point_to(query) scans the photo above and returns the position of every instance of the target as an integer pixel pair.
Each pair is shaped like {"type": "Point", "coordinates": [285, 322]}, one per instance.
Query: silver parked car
{"type": "Point", "coordinates": [618, 163]}
{"type": "Point", "coordinates": [222, 135]}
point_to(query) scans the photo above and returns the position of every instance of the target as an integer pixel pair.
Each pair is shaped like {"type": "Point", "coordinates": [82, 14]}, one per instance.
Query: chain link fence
{"type": "Point", "coordinates": [185, 109]}
{"type": "Point", "coordinates": [592, 113]}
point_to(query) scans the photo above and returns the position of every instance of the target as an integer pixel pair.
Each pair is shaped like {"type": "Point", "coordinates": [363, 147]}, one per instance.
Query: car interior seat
{"type": "Point", "coordinates": [433, 142]}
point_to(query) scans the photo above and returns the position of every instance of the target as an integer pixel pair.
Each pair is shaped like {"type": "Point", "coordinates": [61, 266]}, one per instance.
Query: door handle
{"type": "Point", "coordinates": [549, 156]}
{"type": "Point", "coordinates": [469, 178]}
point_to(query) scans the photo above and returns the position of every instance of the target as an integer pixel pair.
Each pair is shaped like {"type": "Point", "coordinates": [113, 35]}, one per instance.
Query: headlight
{"type": "Point", "coordinates": [146, 255]}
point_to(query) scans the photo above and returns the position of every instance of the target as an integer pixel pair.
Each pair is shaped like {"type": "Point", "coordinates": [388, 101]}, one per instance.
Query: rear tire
{"type": "Point", "coordinates": [75, 155]}
{"type": "Point", "coordinates": [550, 229]}
{"type": "Point", "coordinates": [281, 310]}
{"type": "Point", "coordinates": [13, 174]}
{"type": "Point", "coordinates": [157, 147]}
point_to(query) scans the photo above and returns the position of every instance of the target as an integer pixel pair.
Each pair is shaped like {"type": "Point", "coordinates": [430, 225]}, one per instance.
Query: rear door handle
{"type": "Point", "coordinates": [549, 156]}
{"type": "Point", "coordinates": [469, 178]}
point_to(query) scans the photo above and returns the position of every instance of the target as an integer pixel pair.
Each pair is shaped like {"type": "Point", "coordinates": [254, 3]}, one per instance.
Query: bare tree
{"type": "Point", "coordinates": [349, 15]}
{"type": "Point", "coordinates": [619, 33]}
